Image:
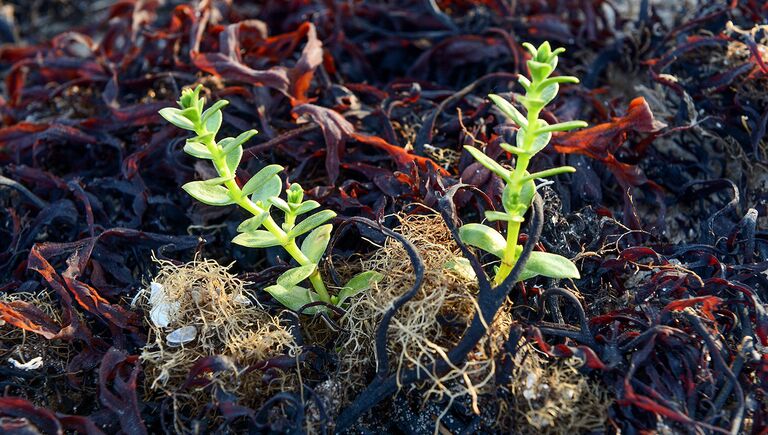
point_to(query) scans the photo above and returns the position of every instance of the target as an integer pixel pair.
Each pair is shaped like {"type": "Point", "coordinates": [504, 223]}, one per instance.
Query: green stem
{"type": "Point", "coordinates": [509, 259]}
{"type": "Point", "coordinates": [289, 243]}
{"type": "Point", "coordinates": [315, 279]}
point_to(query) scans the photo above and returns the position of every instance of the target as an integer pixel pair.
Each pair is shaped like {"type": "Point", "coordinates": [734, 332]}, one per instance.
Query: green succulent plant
{"type": "Point", "coordinates": [260, 196]}
{"type": "Point", "coordinates": [533, 135]}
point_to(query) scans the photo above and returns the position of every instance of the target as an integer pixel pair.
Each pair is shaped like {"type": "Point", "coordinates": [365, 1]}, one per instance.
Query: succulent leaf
{"type": "Point", "coordinates": [207, 194]}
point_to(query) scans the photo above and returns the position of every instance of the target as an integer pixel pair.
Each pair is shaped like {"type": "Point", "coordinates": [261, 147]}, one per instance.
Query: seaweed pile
{"type": "Point", "coordinates": [371, 103]}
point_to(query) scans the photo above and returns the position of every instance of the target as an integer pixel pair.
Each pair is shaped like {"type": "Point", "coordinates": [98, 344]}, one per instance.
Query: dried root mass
{"type": "Point", "coordinates": [553, 397]}
{"type": "Point", "coordinates": [206, 311]}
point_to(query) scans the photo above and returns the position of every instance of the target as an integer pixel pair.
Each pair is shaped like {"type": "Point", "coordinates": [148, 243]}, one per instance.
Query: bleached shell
{"type": "Point", "coordinates": [161, 314]}
{"type": "Point", "coordinates": [156, 290]}
{"type": "Point", "coordinates": [181, 336]}
{"type": "Point", "coordinates": [530, 382]}
{"type": "Point", "coordinates": [242, 299]}
{"type": "Point", "coordinates": [163, 310]}
{"type": "Point", "coordinates": [33, 364]}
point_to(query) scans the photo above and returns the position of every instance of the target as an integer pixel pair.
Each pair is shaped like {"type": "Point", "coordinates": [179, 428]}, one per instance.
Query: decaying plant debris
{"type": "Point", "coordinates": [417, 336]}
{"type": "Point", "coordinates": [554, 397]}
{"type": "Point", "coordinates": [29, 357]}
{"type": "Point", "coordinates": [199, 310]}
{"type": "Point", "coordinates": [369, 106]}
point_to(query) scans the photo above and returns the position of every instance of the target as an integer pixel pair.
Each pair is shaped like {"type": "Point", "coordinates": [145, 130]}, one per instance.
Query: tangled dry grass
{"type": "Point", "coordinates": [553, 397]}
{"type": "Point", "coordinates": [227, 322]}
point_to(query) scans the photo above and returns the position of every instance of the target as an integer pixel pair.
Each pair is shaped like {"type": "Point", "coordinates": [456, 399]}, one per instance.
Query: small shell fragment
{"type": "Point", "coordinates": [154, 289]}
{"type": "Point", "coordinates": [242, 299]}
{"type": "Point", "coordinates": [33, 364]}
{"type": "Point", "coordinates": [181, 336]}
{"type": "Point", "coordinates": [530, 382]}
{"type": "Point", "coordinates": [163, 310]}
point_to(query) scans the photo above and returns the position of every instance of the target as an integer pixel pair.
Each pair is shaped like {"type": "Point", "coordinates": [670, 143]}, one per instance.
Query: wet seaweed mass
{"type": "Point", "coordinates": [126, 308]}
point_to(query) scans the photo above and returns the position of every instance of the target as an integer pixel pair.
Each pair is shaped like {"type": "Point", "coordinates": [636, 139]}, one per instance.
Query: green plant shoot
{"type": "Point", "coordinates": [532, 136]}
{"type": "Point", "coordinates": [260, 196]}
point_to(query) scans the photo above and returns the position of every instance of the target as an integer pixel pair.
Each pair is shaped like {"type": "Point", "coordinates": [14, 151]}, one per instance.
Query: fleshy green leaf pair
{"type": "Point", "coordinates": [539, 263]}
{"type": "Point", "coordinates": [295, 297]}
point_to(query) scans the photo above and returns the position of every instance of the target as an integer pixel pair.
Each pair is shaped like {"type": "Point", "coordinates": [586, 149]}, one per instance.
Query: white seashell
{"type": "Point", "coordinates": [530, 382]}
{"type": "Point", "coordinates": [529, 394]}
{"type": "Point", "coordinates": [155, 288]}
{"type": "Point", "coordinates": [156, 293]}
{"type": "Point", "coordinates": [181, 336]}
{"type": "Point", "coordinates": [33, 364]}
{"type": "Point", "coordinates": [163, 311]}
{"type": "Point", "coordinates": [242, 299]}
{"type": "Point", "coordinates": [161, 315]}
